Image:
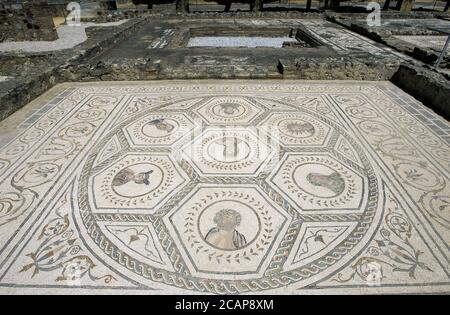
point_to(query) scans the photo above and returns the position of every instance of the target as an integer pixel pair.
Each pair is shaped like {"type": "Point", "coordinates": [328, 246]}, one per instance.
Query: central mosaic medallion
{"type": "Point", "coordinates": [229, 152]}
{"type": "Point", "coordinates": [226, 195]}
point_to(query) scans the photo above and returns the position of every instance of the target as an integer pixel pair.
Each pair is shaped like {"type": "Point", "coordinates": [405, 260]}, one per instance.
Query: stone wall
{"type": "Point", "coordinates": [37, 74]}
{"type": "Point", "coordinates": [339, 68]}
{"type": "Point", "coordinates": [429, 87]}
{"type": "Point", "coordinates": [26, 21]}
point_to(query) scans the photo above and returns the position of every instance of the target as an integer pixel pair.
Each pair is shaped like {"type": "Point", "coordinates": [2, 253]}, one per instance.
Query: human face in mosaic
{"type": "Point", "coordinates": [227, 219]}
{"type": "Point", "coordinates": [224, 235]}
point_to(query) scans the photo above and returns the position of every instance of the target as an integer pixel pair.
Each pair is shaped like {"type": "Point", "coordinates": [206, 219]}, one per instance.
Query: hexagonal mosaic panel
{"type": "Point", "coordinates": [229, 110]}
{"type": "Point", "coordinates": [227, 231]}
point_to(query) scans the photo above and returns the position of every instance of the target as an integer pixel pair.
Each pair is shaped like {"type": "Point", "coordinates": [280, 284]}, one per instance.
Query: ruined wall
{"type": "Point", "coordinates": [26, 21]}
{"type": "Point", "coordinates": [428, 86]}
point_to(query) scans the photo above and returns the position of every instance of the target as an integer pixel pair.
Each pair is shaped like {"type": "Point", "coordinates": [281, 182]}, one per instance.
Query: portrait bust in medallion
{"type": "Point", "coordinates": [225, 234]}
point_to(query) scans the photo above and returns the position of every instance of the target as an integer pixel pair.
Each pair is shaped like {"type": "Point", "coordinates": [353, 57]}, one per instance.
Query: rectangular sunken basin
{"type": "Point", "coordinates": [240, 41]}
{"type": "Point", "coordinates": [223, 37]}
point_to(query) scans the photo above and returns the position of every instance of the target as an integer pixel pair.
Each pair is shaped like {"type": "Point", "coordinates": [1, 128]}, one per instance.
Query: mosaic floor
{"type": "Point", "coordinates": [225, 187]}
{"type": "Point", "coordinates": [344, 41]}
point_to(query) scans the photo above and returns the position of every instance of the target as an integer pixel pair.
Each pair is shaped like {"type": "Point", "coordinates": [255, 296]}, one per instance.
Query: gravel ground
{"type": "Point", "coordinates": [251, 42]}
{"type": "Point", "coordinates": [69, 37]}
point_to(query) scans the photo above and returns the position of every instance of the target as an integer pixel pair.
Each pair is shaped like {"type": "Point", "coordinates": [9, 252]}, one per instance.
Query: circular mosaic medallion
{"type": "Point", "coordinates": [163, 129]}
{"type": "Point", "coordinates": [219, 222]}
{"type": "Point", "coordinates": [159, 128]}
{"type": "Point", "coordinates": [228, 152]}
{"type": "Point", "coordinates": [229, 110]}
{"type": "Point", "coordinates": [135, 181]}
{"type": "Point", "coordinates": [319, 180]}
{"type": "Point", "coordinates": [294, 129]}
{"type": "Point", "coordinates": [297, 128]}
